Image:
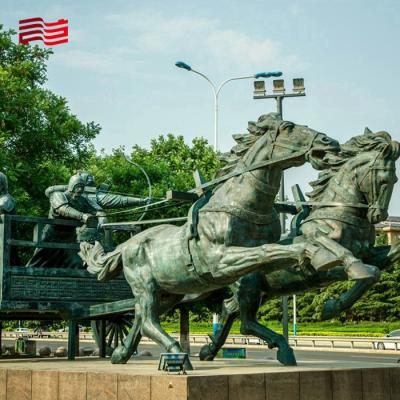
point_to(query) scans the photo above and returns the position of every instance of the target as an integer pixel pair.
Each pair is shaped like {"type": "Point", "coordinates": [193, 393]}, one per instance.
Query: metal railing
{"type": "Point", "coordinates": [312, 342]}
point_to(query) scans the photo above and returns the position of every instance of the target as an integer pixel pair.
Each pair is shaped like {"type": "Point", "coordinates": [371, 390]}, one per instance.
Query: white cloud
{"type": "Point", "coordinates": [104, 63]}
{"type": "Point", "coordinates": [230, 47]}
{"type": "Point", "coordinates": [153, 32]}
{"type": "Point", "coordinates": [133, 39]}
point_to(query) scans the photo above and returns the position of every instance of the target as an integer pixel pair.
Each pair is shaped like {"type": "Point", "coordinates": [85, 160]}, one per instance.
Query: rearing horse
{"type": "Point", "coordinates": [348, 199]}
{"type": "Point", "coordinates": [165, 262]}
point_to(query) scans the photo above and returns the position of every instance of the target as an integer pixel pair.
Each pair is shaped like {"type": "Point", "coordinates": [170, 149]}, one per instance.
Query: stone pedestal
{"type": "Point", "coordinates": [90, 380]}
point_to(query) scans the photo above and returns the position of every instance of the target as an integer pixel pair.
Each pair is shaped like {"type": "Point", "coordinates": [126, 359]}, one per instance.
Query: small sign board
{"type": "Point", "coordinates": [232, 352]}
{"type": "Point", "coordinates": [174, 362]}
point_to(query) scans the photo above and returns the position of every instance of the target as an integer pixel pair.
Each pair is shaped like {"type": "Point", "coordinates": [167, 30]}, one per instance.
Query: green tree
{"type": "Point", "coordinates": [169, 162]}
{"type": "Point", "coordinates": [381, 303]}
{"type": "Point", "coordinates": [42, 141]}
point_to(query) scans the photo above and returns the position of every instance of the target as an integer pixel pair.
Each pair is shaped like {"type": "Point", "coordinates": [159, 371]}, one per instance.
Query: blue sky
{"type": "Point", "coordinates": [118, 67]}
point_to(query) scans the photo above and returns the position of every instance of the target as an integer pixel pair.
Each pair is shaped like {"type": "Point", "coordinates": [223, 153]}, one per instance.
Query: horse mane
{"type": "Point", "coordinates": [369, 141]}
{"type": "Point", "coordinates": [265, 123]}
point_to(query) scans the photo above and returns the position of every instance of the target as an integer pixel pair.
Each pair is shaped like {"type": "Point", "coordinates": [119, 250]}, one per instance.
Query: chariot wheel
{"type": "Point", "coordinates": [116, 329]}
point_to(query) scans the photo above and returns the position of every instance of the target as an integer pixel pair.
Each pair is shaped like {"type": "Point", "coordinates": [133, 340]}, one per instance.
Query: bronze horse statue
{"type": "Point", "coordinates": [233, 234]}
{"type": "Point", "coordinates": [348, 199]}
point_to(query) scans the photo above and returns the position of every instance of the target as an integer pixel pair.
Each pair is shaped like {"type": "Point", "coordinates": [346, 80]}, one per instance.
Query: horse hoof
{"type": "Point", "coordinates": [358, 270]}
{"type": "Point", "coordinates": [120, 355]}
{"type": "Point", "coordinates": [331, 309]}
{"type": "Point", "coordinates": [188, 365]}
{"type": "Point", "coordinates": [286, 357]}
{"type": "Point", "coordinates": [206, 353]}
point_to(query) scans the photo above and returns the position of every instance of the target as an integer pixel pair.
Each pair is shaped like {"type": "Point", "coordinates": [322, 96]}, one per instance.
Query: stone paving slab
{"type": "Point", "coordinates": [148, 365]}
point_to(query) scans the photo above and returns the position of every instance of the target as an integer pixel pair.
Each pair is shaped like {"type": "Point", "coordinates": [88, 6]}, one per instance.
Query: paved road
{"type": "Point", "coordinates": [258, 353]}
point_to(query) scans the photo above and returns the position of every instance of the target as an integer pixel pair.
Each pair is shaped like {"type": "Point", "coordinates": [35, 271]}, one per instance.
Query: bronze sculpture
{"type": "Point", "coordinates": [82, 201]}
{"type": "Point", "coordinates": [348, 199]}
{"type": "Point", "coordinates": [7, 202]}
{"type": "Point", "coordinates": [230, 238]}
{"type": "Point", "coordinates": [68, 204]}
{"type": "Point", "coordinates": [100, 198]}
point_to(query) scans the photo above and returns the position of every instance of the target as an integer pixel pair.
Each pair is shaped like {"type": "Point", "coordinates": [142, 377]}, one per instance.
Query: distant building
{"type": "Point", "coordinates": [391, 227]}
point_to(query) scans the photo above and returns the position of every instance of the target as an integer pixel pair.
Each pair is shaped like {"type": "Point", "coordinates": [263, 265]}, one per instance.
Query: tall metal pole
{"type": "Point", "coordinates": [184, 329]}
{"type": "Point", "coordinates": [216, 121]}
{"type": "Point", "coordinates": [216, 90]}
{"type": "Point", "coordinates": [294, 315]}
{"type": "Point", "coordinates": [285, 305]}
{"type": "Point", "coordinates": [298, 88]}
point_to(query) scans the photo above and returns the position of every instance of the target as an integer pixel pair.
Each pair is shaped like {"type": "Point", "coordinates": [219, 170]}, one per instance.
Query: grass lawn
{"type": "Point", "coordinates": [334, 328]}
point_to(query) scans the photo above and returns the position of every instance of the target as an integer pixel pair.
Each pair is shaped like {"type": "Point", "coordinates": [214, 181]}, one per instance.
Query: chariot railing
{"type": "Point", "coordinates": [47, 293]}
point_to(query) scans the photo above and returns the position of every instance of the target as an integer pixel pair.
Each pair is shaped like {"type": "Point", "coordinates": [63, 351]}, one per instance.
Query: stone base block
{"type": "Point", "coordinates": [18, 383]}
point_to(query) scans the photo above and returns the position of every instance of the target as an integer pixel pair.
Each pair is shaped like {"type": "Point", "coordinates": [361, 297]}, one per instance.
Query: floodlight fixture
{"type": "Point", "coordinates": [298, 85]}
{"type": "Point", "coordinates": [174, 362]}
{"type": "Point", "coordinates": [278, 86]}
{"type": "Point", "coordinates": [279, 95]}
{"type": "Point", "coordinates": [259, 88]}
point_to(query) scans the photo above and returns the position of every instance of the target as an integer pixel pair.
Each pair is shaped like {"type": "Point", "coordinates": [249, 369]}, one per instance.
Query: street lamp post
{"type": "Point", "coordinates": [279, 94]}
{"type": "Point", "coordinates": [216, 89]}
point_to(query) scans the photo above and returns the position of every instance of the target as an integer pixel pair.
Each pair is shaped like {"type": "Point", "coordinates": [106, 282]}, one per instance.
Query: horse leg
{"type": "Point", "coordinates": [230, 311]}
{"type": "Point", "coordinates": [250, 300]}
{"type": "Point", "coordinates": [238, 261]}
{"type": "Point", "coordinates": [124, 351]}
{"type": "Point", "coordinates": [333, 307]}
{"type": "Point", "coordinates": [382, 257]}
{"type": "Point", "coordinates": [151, 305]}
{"type": "Point", "coordinates": [339, 255]}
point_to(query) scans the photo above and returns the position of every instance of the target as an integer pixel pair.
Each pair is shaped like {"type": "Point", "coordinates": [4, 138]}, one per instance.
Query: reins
{"type": "Point", "coordinates": [323, 204]}
{"type": "Point", "coordinates": [262, 164]}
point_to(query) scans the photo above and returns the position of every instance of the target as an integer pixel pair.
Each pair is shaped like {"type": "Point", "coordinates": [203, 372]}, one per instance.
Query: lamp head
{"type": "Point", "coordinates": [181, 64]}
{"type": "Point", "coordinates": [271, 74]}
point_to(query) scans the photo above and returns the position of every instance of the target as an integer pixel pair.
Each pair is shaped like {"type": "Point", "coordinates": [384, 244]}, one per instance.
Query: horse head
{"type": "Point", "coordinates": [374, 170]}
{"type": "Point", "coordinates": [276, 139]}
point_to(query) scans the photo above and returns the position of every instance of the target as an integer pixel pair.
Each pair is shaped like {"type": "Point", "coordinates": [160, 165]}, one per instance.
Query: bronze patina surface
{"type": "Point", "coordinates": [348, 199]}
{"type": "Point", "coordinates": [235, 233]}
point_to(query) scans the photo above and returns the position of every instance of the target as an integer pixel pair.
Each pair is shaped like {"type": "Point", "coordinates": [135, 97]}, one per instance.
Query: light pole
{"type": "Point", "coordinates": [279, 93]}
{"type": "Point", "coordinates": [216, 89]}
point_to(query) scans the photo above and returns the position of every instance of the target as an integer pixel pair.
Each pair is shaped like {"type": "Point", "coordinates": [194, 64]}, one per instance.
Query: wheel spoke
{"type": "Point", "coordinates": [116, 330]}
{"type": "Point", "coordinates": [116, 336]}
{"type": "Point", "coordinates": [127, 321]}
{"type": "Point", "coordinates": [109, 326]}
{"type": "Point", "coordinates": [125, 330]}
{"type": "Point", "coordinates": [121, 335]}
{"type": "Point", "coordinates": [111, 337]}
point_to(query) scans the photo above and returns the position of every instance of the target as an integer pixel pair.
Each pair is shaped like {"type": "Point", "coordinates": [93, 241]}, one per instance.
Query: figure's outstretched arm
{"type": "Point", "coordinates": [109, 200]}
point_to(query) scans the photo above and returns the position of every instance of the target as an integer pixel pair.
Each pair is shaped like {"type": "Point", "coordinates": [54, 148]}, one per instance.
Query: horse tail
{"type": "Point", "coordinates": [105, 265]}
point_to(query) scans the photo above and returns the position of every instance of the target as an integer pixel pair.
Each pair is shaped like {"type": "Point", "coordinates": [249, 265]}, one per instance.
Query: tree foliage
{"type": "Point", "coordinates": [42, 142]}
{"type": "Point", "coordinates": [169, 163]}
{"type": "Point", "coordinates": [381, 303]}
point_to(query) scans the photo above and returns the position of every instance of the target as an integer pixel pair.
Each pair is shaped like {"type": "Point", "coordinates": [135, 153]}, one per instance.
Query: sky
{"type": "Point", "coordinates": [118, 67]}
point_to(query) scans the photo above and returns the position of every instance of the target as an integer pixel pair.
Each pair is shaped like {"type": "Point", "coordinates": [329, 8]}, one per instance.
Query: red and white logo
{"type": "Point", "coordinates": [50, 33]}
